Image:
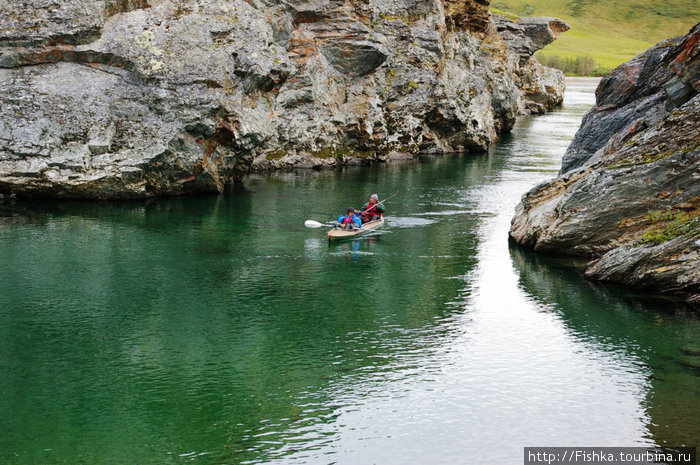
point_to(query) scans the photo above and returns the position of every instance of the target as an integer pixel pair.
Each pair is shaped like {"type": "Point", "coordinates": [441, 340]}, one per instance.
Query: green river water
{"type": "Point", "coordinates": [220, 330]}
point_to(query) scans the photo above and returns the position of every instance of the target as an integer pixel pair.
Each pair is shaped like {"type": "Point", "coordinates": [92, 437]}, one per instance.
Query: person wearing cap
{"type": "Point", "coordinates": [373, 209]}
{"type": "Point", "coordinates": [349, 221]}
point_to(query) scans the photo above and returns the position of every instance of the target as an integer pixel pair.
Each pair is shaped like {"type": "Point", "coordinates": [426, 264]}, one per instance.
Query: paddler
{"type": "Point", "coordinates": [373, 209]}
{"type": "Point", "coordinates": [350, 221]}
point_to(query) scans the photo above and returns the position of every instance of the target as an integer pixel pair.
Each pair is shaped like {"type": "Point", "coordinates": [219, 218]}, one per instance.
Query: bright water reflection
{"type": "Point", "coordinates": [220, 330]}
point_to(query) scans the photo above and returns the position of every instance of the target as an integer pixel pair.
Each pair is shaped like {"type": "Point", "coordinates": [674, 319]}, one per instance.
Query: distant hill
{"type": "Point", "coordinates": [610, 32]}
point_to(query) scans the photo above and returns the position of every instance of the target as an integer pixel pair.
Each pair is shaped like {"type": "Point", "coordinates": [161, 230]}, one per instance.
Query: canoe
{"type": "Point", "coordinates": [337, 234]}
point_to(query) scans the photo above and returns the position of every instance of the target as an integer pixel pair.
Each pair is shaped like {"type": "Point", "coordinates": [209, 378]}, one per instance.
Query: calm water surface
{"type": "Point", "coordinates": [219, 330]}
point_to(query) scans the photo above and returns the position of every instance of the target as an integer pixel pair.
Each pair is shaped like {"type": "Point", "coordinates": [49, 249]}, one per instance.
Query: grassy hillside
{"type": "Point", "coordinates": [611, 32]}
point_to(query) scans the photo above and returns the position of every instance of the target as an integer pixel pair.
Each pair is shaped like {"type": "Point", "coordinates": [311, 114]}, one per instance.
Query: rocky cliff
{"type": "Point", "coordinates": [629, 193]}
{"type": "Point", "coordinates": [139, 98]}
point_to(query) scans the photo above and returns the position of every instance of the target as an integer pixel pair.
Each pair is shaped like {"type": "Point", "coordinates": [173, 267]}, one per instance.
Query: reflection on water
{"type": "Point", "coordinates": [220, 330]}
{"type": "Point", "coordinates": [664, 345]}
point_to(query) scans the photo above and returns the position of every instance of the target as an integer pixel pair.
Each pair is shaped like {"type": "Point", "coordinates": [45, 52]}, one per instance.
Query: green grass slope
{"type": "Point", "coordinates": [610, 32]}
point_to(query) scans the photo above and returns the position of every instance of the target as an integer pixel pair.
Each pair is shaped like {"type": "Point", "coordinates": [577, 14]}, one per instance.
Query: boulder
{"type": "Point", "coordinates": [528, 35]}
{"type": "Point", "coordinates": [637, 95]}
{"type": "Point", "coordinates": [633, 206]}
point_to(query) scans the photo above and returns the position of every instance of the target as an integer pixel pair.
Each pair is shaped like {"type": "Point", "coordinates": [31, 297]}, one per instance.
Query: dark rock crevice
{"type": "Point", "coordinates": [467, 15]}
{"type": "Point", "coordinates": [67, 54]}
{"type": "Point", "coordinates": [83, 36]}
{"type": "Point", "coordinates": [113, 7]}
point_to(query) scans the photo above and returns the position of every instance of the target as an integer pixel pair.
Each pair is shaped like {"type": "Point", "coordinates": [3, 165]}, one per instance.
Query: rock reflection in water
{"type": "Point", "coordinates": [662, 334]}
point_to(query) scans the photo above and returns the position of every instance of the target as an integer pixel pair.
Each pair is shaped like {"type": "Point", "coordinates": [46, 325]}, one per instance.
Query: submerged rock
{"type": "Point", "coordinates": [631, 202]}
{"type": "Point", "coordinates": [136, 98]}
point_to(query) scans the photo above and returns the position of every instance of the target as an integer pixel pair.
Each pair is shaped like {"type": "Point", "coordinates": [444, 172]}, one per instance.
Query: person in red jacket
{"type": "Point", "coordinates": [373, 209]}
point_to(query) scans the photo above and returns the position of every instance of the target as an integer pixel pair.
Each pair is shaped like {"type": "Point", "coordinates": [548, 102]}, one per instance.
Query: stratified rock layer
{"type": "Point", "coordinates": [632, 200]}
{"type": "Point", "coordinates": [136, 98]}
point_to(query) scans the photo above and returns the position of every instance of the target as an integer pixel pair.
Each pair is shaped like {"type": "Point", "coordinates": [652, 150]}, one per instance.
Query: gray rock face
{"type": "Point", "coordinates": [636, 95]}
{"type": "Point", "coordinates": [542, 87]}
{"type": "Point", "coordinates": [136, 98]}
{"type": "Point", "coordinates": [633, 207]}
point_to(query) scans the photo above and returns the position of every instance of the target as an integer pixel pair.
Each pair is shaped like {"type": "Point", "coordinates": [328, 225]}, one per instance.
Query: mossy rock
{"type": "Point", "coordinates": [343, 151]}
{"type": "Point", "coordinates": [276, 155]}
{"type": "Point", "coordinates": [669, 225]}
{"type": "Point", "coordinates": [327, 152]}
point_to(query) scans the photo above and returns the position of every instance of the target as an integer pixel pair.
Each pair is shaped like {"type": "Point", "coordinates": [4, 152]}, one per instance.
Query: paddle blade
{"type": "Point", "coordinates": [312, 224]}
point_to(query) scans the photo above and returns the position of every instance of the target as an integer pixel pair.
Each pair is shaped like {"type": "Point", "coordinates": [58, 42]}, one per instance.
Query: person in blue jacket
{"type": "Point", "coordinates": [349, 221]}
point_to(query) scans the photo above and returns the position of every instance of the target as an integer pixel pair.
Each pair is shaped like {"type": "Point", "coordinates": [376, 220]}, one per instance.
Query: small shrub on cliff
{"type": "Point", "coordinates": [672, 224]}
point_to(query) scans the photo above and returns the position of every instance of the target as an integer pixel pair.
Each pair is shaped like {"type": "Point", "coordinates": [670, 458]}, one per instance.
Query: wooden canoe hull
{"type": "Point", "coordinates": [339, 234]}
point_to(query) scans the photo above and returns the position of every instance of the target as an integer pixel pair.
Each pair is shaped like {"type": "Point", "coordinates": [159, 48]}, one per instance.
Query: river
{"type": "Point", "coordinates": [220, 330]}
